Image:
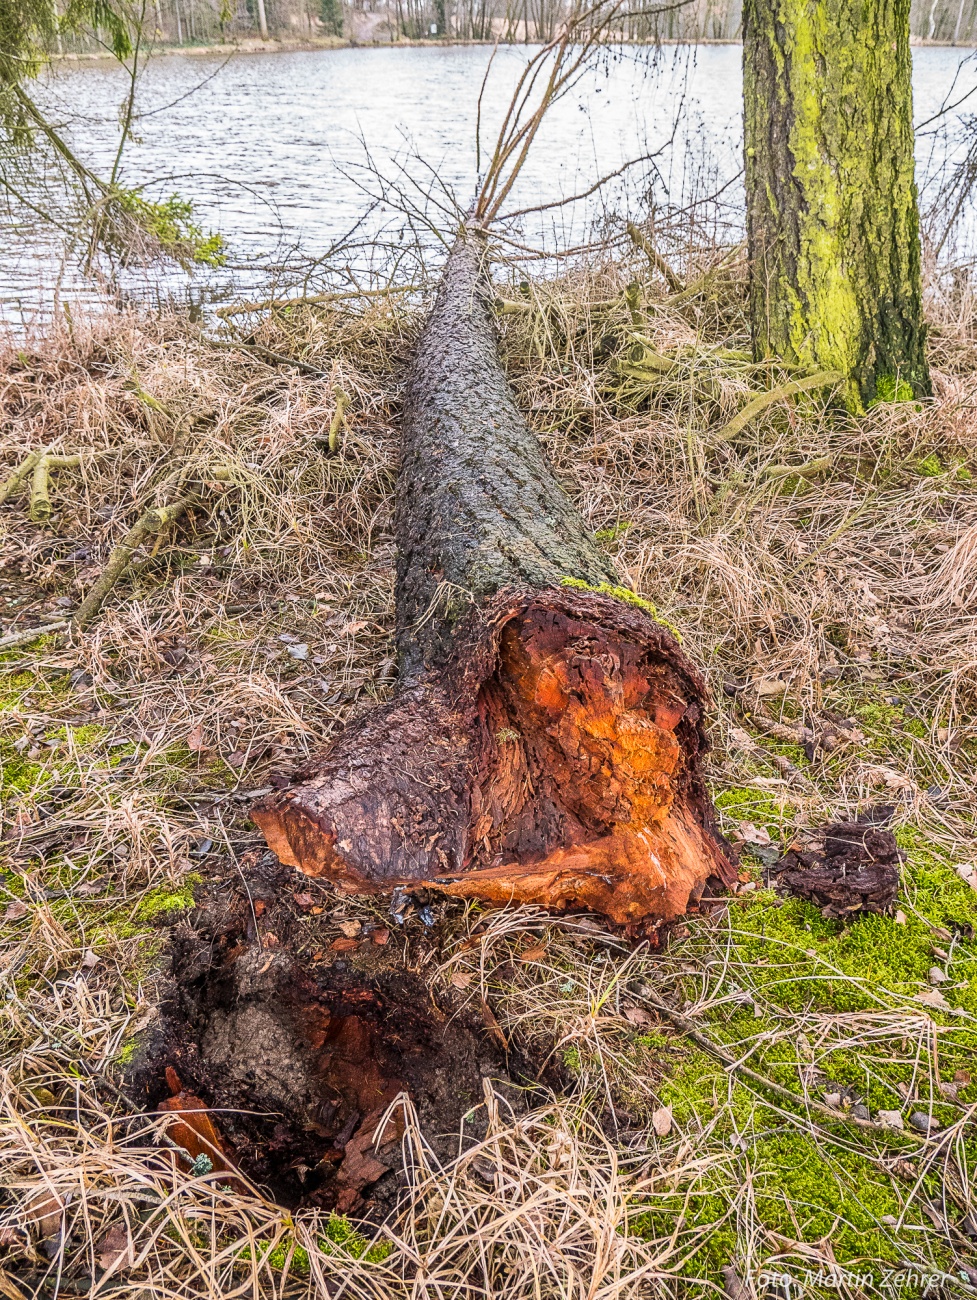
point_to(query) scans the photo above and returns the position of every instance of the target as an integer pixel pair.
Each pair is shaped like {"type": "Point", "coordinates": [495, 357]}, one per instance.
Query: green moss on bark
{"type": "Point", "coordinates": [832, 211]}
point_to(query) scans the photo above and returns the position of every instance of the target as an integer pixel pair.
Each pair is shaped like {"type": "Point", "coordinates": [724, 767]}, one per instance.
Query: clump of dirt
{"type": "Point", "coordinates": [295, 1051]}
{"type": "Point", "coordinates": [853, 868]}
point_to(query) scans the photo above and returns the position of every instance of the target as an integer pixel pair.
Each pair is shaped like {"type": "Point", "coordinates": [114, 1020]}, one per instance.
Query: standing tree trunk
{"type": "Point", "coordinates": [262, 20]}
{"type": "Point", "coordinates": [832, 212]}
{"type": "Point", "coordinates": [545, 740]}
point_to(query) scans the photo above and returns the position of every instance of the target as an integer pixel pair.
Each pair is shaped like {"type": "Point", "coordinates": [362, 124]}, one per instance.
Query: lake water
{"type": "Point", "coordinates": [286, 154]}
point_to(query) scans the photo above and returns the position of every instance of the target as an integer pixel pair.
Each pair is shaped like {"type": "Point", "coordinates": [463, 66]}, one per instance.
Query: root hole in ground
{"type": "Point", "coordinates": [297, 1055]}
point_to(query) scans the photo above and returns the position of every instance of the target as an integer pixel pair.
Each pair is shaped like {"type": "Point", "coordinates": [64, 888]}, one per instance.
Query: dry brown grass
{"type": "Point", "coordinates": [812, 599]}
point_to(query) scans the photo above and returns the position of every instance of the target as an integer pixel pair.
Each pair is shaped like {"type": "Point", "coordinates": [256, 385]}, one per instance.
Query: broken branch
{"type": "Point", "coordinates": [823, 379]}
{"type": "Point", "coordinates": [153, 521]}
{"type": "Point", "coordinates": [641, 240]}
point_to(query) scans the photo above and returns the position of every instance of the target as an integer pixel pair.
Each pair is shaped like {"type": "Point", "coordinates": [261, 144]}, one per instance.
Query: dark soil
{"type": "Point", "coordinates": [298, 1039]}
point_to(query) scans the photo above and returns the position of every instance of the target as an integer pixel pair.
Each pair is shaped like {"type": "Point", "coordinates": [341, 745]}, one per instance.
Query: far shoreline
{"type": "Point", "coordinates": [309, 44]}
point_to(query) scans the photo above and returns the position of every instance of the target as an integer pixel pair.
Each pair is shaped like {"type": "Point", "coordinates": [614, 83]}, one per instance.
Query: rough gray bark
{"type": "Point", "coordinates": [478, 507]}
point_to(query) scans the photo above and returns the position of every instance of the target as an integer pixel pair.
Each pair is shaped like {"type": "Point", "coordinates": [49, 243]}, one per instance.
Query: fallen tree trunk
{"type": "Point", "coordinates": [545, 740]}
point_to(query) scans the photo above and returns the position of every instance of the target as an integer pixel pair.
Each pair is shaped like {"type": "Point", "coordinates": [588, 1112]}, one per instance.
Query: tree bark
{"type": "Point", "coordinates": [832, 213]}
{"type": "Point", "coordinates": [545, 740]}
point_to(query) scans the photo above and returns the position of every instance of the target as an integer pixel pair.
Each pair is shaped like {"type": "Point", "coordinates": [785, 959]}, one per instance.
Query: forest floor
{"type": "Point", "coordinates": [814, 1136]}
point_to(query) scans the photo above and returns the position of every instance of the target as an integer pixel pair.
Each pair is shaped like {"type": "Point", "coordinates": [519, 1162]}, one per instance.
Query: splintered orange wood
{"type": "Point", "coordinates": [193, 1129]}
{"type": "Point", "coordinates": [556, 761]}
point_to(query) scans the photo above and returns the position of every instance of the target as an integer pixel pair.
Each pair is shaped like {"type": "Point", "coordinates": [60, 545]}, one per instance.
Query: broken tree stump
{"type": "Point", "coordinates": [545, 741]}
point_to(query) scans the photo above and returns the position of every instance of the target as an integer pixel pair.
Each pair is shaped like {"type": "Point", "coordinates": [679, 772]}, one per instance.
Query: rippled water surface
{"type": "Point", "coordinates": [273, 148]}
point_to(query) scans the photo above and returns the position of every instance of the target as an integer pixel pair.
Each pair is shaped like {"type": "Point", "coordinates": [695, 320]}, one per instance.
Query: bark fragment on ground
{"type": "Point", "coordinates": [545, 741]}
{"type": "Point", "coordinates": [856, 869]}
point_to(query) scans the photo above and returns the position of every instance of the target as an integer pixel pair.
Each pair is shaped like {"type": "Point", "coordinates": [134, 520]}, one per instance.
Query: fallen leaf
{"type": "Point", "coordinates": [533, 954]}
{"type": "Point", "coordinates": [351, 928]}
{"type": "Point", "coordinates": [734, 1288]}
{"type": "Point", "coordinates": [661, 1121]}
{"type": "Point", "coordinates": [344, 945]}
{"type": "Point", "coordinates": [461, 979]}
{"type": "Point", "coordinates": [769, 686]}
{"type": "Point", "coordinates": [901, 918]}
{"type": "Point", "coordinates": [260, 907]}
{"type": "Point", "coordinates": [380, 937]}
{"type": "Point", "coordinates": [937, 975]}
{"type": "Point", "coordinates": [44, 1210]}
{"type": "Point", "coordinates": [115, 1247]}
{"type": "Point", "coordinates": [269, 939]}
{"type": "Point", "coordinates": [754, 834]}
{"type": "Point", "coordinates": [195, 740]}
{"type": "Point", "coordinates": [493, 1026]}
{"type": "Point", "coordinates": [968, 874]}
{"type": "Point", "coordinates": [638, 1016]}
{"type": "Point", "coordinates": [10, 1236]}
{"type": "Point", "coordinates": [889, 1118]}
{"type": "Point", "coordinates": [237, 759]}
{"type": "Point", "coordinates": [352, 628]}
{"type": "Point", "coordinates": [89, 959]}
{"type": "Point", "coordinates": [962, 1077]}
{"type": "Point", "coordinates": [932, 998]}
{"type": "Point", "coordinates": [86, 891]}
{"type": "Point", "coordinates": [305, 901]}
{"type": "Point", "coordinates": [15, 910]}
{"type": "Point", "coordinates": [300, 651]}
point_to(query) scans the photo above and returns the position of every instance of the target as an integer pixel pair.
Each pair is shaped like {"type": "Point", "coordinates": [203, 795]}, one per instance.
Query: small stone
{"type": "Point", "coordinates": [833, 1099]}
{"type": "Point", "coordinates": [15, 910]}
{"type": "Point", "coordinates": [351, 928]}
{"type": "Point", "coordinates": [298, 651]}
{"type": "Point", "coordinates": [922, 1122]}
{"type": "Point", "coordinates": [900, 918]}
{"type": "Point", "coordinates": [861, 1112]}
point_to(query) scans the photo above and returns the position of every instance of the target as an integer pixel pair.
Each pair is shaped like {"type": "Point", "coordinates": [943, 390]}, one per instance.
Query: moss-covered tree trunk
{"type": "Point", "coordinates": [832, 211]}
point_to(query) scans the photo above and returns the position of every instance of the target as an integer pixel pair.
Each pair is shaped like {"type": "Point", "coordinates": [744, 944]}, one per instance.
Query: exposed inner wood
{"type": "Point", "coordinates": [569, 776]}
